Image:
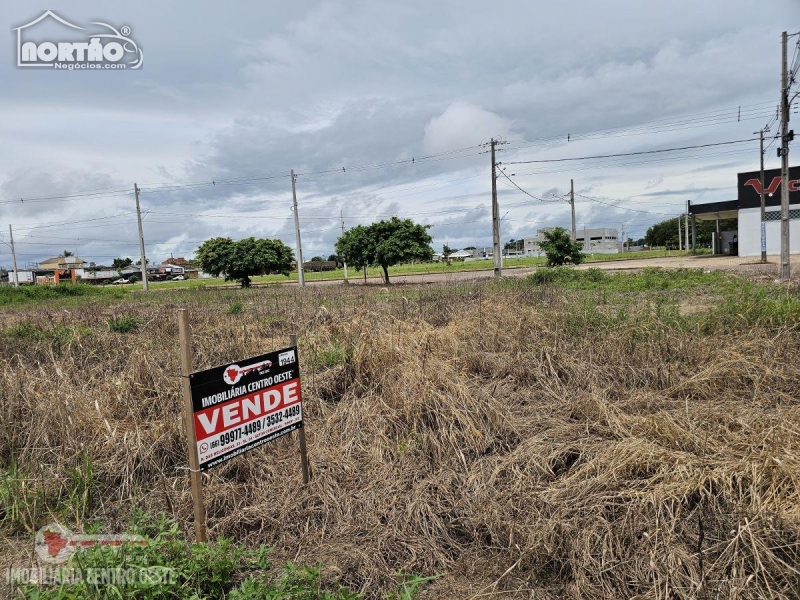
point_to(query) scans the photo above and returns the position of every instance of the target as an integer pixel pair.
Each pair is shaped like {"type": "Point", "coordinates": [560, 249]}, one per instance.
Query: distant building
{"type": "Point", "coordinates": [178, 262]}
{"type": "Point", "coordinates": [602, 240]}
{"type": "Point", "coordinates": [61, 262]}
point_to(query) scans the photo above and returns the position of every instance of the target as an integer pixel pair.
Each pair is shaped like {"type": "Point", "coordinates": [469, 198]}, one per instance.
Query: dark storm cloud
{"type": "Point", "coordinates": [240, 96]}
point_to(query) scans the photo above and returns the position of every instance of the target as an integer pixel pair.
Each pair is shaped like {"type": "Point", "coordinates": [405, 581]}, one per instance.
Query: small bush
{"type": "Point", "coordinates": [133, 279]}
{"type": "Point", "coordinates": [124, 324]}
{"type": "Point", "coordinates": [331, 356]}
{"type": "Point", "coordinates": [235, 308]}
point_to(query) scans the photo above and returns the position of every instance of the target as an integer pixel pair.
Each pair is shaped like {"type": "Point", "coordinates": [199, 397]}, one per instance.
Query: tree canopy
{"type": "Point", "coordinates": [385, 243]}
{"type": "Point", "coordinates": [240, 260]}
{"type": "Point", "coordinates": [121, 263]}
{"type": "Point", "coordinates": [665, 233]}
{"type": "Point", "coordinates": [560, 249]}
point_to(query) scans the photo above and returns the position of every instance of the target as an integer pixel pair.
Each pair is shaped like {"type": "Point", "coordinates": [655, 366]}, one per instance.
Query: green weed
{"type": "Point", "coordinates": [124, 324]}
{"type": "Point", "coordinates": [234, 309]}
{"type": "Point", "coordinates": [169, 568]}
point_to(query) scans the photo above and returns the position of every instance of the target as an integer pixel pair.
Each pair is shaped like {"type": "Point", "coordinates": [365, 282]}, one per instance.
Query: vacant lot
{"type": "Point", "coordinates": [569, 435]}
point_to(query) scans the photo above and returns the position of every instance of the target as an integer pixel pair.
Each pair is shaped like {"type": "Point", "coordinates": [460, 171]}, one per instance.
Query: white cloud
{"type": "Point", "coordinates": [462, 125]}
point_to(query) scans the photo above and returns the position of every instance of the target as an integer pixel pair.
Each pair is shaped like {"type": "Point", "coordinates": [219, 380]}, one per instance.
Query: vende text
{"type": "Point", "coordinates": [212, 421]}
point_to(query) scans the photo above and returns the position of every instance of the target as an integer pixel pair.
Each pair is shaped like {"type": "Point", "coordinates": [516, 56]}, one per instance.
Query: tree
{"type": "Point", "coordinates": [560, 249]}
{"type": "Point", "coordinates": [665, 233]}
{"type": "Point", "coordinates": [357, 248]}
{"type": "Point", "coordinates": [446, 252]}
{"type": "Point", "coordinates": [336, 259]}
{"type": "Point", "coordinates": [240, 260]}
{"type": "Point", "coordinates": [121, 263]}
{"type": "Point", "coordinates": [316, 259]}
{"type": "Point", "coordinates": [68, 253]}
{"type": "Point", "coordinates": [385, 243]}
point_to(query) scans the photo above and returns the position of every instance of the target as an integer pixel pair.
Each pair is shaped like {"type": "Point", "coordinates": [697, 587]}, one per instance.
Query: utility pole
{"type": "Point", "coordinates": [495, 216]}
{"type": "Point", "coordinates": [785, 266]}
{"type": "Point", "coordinates": [145, 287]}
{"type": "Point", "coordinates": [680, 238]}
{"type": "Point", "coordinates": [572, 207]}
{"type": "Point", "coordinates": [344, 262]}
{"type": "Point", "coordinates": [763, 206]}
{"type": "Point", "coordinates": [300, 273]}
{"type": "Point", "coordinates": [686, 227]}
{"type": "Point", "coordinates": [13, 256]}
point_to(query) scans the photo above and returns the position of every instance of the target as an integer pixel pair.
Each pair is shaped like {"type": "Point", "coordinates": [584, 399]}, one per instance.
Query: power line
{"type": "Point", "coordinates": [514, 183]}
{"type": "Point", "coordinates": [649, 212]}
{"type": "Point", "coordinates": [553, 160]}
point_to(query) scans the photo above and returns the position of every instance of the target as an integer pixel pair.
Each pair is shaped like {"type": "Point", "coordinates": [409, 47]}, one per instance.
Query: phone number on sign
{"type": "Point", "coordinates": [234, 435]}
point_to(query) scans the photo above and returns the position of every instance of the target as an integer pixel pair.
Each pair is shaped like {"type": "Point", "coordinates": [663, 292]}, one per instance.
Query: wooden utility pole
{"type": "Point", "coordinates": [188, 415]}
{"type": "Point", "coordinates": [785, 266]}
{"type": "Point", "coordinates": [344, 262]}
{"type": "Point", "coordinates": [680, 238]}
{"type": "Point", "coordinates": [495, 216]}
{"type": "Point", "coordinates": [301, 275]}
{"type": "Point", "coordinates": [145, 286]}
{"type": "Point", "coordinates": [763, 206]}
{"type": "Point", "coordinates": [303, 450]}
{"type": "Point", "coordinates": [572, 207]}
{"type": "Point", "coordinates": [13, 256]}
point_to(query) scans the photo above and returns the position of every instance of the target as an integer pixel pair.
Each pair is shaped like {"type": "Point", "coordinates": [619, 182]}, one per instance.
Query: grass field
{"type": "Point", "coordinates": [572, 434]}
{"type": "Point", "coordinates": [416, 269]}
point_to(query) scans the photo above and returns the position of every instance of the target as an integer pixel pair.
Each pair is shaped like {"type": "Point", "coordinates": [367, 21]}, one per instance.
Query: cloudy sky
{"type": "Point", "coordinates": [382, 108]}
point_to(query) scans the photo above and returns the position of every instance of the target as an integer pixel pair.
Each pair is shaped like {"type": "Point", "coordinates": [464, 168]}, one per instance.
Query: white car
{"type": "Point", "coordinates": [120, 281]}
{"type": "Point", "coordinates": [178, 278]}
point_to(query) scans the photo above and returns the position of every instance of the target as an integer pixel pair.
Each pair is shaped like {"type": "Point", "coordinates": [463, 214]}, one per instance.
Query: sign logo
{"type": "Point", "coordinates": [109, 48]}
{"type": "Point", "coordinates": [234, 373]}
{"type": "Point", "coordinates": [794, 185]}
{"type": "Point", "coordinates": [55, 544]}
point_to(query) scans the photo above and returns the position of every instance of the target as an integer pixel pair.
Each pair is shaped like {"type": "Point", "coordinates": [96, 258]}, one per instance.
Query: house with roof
{"type": "Point", "coordinates": [61, 262]}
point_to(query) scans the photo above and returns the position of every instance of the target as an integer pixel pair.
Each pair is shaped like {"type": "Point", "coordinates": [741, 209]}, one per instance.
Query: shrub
{"type": "Point", "coordinates": [133, 279]}
{"type": "Point", "coordinates": [235, 308]}
{"type": "Point", "coordinates": [560, 248]}
{"type": "Point", "coordinates": [124, 324]}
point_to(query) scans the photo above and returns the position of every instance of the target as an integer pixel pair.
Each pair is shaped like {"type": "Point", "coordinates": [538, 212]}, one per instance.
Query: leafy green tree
{"type": "Point", "coordinates": [357, 248]}
{"type": "Point", "coordinates": [447, 251]}
{"type": "Point", "coordinates": [121, 263]}
{"type": "Point", "coordinates": [68, 253]}
{"type": "Point", "coordinates": [240, 260]}
{"type": "Point", "coordinates": [316, 259]}
{"type": "Point", "coordinates": [385, 243]}
{"type": "Point", "coordinates": [560, 249]}
{"type": "Point", "coordinates": [665, 233]}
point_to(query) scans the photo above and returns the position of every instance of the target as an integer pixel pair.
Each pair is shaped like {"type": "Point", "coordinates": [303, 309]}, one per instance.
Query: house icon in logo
{"type": "Point", "coordinates": [107, 49]}
{"type": "Point", "coordinates": [19, 29]}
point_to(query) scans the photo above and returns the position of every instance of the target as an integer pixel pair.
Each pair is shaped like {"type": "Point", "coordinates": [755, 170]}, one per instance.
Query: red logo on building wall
{"type": "Point", "coordinates": [794, 185]}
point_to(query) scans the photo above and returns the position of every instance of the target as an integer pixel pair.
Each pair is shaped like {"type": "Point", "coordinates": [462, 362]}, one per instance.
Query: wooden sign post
{"type": "Point", "coordinates": [232, 409]}
{"type": "Point", "coordinates": [303, 451]}
{"type": "Point", "coordinates": [188, 413]}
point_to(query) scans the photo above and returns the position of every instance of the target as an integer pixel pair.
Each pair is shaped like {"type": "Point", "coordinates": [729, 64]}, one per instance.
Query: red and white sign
{"type": "Point", "coordinates": [238, 408]}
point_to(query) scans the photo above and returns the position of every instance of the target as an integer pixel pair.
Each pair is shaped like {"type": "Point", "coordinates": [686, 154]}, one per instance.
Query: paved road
{"type": "Point", "coordinates": [729, 263]}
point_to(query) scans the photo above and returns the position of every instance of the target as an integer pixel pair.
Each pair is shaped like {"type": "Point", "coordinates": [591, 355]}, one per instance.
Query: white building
{"type": "Point", "coordinates": [747, 208]}
{"type": "Point", "coordinates": [601, 240]}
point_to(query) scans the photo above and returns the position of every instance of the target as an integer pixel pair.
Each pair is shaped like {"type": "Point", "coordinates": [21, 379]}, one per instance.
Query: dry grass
{"type": "Point", "coordinates": [524, 441]}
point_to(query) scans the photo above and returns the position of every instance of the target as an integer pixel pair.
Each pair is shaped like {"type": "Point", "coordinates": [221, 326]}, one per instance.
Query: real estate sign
{"type": "Point", "coordinates": [241, 406]}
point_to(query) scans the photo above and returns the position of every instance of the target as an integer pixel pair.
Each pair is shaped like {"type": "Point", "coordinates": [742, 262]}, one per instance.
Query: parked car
{"type": "Point", "coordinates": [120, 281]}
{"type": "Point", "coordinates": [178, 278]}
